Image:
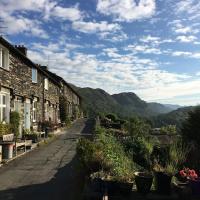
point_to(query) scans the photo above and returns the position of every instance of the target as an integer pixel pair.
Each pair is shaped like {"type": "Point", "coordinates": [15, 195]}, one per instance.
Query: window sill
{"type": "Point", "coordinates": [7, 70]}
{"type": "Point", "coordinates": [34, 82]}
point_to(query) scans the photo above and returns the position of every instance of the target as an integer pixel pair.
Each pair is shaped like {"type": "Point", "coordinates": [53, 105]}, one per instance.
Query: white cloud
{"type": "Point", "coordinates": [178, 27]}
{"type": "Point", "coordinates": [119, 73]}
{"type": "Point", "coordinates": [186, 39]}
{"type": "Point", "coordinates": [127, 10]}
{"type": "Point", "coordinates": [187, 54]}
{"type": "Point", "coordinates": [15, 19]}
{"type": "Point", "coordinates": [183, 30]}
{"type": "Point", "coordinates": [22, 24]}
{"type": "Point", "coordinates": [190, 7]}
{"type": "Point", "coordinates": [145, 49]}
{"type": "Point", "coordinates": [71, 13]}
{"type": "Point", "coordinates": [95, 27]}
{"type": "Point", "coordinates": [198, 73]}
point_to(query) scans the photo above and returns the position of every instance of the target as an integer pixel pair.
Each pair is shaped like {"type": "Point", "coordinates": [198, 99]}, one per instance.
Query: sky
{"type": "Point", "coordinates": [149, 47]}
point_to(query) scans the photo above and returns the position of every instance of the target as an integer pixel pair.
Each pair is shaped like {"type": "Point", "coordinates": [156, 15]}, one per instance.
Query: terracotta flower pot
{"type": "Point", "coordinates": [143, 182]}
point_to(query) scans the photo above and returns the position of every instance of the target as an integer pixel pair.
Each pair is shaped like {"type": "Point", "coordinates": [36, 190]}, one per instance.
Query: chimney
{"type": "Point", "coordinates": [22, 49]}
{"type": "Point", "coordinates": [44, 67]}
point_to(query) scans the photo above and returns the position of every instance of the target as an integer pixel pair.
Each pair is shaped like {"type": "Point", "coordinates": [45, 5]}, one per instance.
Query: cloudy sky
{"type": "Point", "coordinates": [150, 47]}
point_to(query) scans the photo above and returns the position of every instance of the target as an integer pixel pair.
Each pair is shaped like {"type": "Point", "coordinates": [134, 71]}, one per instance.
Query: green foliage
{"type": "Point", "coordinates": [115, 159]}
{"type": "Point", "coordinates": [99, 130]}
{"type": "Point", "coordinates": [141, 149]}
{"type": "Point", "coordinates": [175, 156]}
{"type": "Point", "coordinates": [63, 109]}
{"type": "Point", "coordinates": [112, 117]}
{"type": "Point", "coordinates": [15, 122]}
{"type": "Point", "coordinates": [178, 153]}
{"type": "Point", "coordinates": [4, 129]}
{"type": "Point", "coordinates": [68, 121]}
{"type": "Point", "coordinates": [137, 127]}
{"type": "Point", "coordinates": [176, 117]}
{"type": "Point", "coordinates": [107, 154]}
{"type": "Point", "coordinates": [90, 154]}
{"type": "Point", "coordinates": [168, 130]}
{"type": "Point", "coordinates": [191, 127]}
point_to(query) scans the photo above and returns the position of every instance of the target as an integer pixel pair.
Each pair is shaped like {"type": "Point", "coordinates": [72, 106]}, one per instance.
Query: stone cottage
{"type": "Point", "coordinates": [73, 98]}
{"type": "Point", "coordinates": [32, 90]}
{"type": "Point", "coordinates": [26, 88]}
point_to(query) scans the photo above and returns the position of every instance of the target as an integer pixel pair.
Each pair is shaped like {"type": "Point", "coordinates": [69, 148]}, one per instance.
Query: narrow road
{"type": "Point", "coordinates": [50, 172]}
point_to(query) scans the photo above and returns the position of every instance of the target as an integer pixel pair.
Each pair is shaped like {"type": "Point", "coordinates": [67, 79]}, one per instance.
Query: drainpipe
{"type": "Point", "coordinates": [43, 107]}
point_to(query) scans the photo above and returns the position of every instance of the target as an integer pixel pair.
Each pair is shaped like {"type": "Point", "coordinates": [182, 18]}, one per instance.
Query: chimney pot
{"type": "Point", "coordinates": [22, 49]}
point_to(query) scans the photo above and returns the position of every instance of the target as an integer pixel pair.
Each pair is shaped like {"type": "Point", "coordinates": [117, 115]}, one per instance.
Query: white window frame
{"type": "Point", "coordinates": [34, 114]}
{"type": "Point", "coordinates": [34, 70]}
{"type": "Point", "coordinates": [4, 58]}
{"type": "Point", "coordinates": [2, 105]}
{"type": "Point", "coordinates": [46, 83]}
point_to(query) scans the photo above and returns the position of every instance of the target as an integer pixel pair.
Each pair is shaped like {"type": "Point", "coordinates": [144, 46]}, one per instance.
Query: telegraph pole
{"type": "Point", "coordinates": [2, 27]}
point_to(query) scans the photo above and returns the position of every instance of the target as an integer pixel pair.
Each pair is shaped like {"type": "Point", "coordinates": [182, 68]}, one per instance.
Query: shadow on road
{"type": "Point", "coordinates": [89, 126]}
{"type": "Point", "coordinates": [67, 184]}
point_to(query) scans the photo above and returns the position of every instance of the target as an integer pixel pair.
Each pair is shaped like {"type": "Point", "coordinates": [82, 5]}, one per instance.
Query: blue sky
{"type": "Point", "coordinates": [150, 47]}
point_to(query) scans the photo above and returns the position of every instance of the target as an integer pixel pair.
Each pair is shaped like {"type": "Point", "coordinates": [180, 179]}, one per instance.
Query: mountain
{"type": "Point", "coordinates": [176, 117]}
{"type": "Point", "coordinates": [124, 104]}
{"type": "Point", "coordinates": [173, 107]}
{"type": "Point", "coordinates": [131, 103]}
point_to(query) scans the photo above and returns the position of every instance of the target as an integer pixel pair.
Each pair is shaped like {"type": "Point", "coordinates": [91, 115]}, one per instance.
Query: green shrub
{"type": "Point", "coordinates": [141, 149]}
{"type": "Point", "coordinates": [115, 159]}
{"type": "Point", "coordinates": [168, 130]}
{"type": "Point", "coordinates": [67, 121]}
{"type": "Point", "coordinates": [174, 156]}
{"type": "Point", "coordinates": [112, 117]}
{"type": "Point", "coordinates": [4, 129]}
{"type": "Point", "coordinates": [137, 127]}
{"type": "Point", "coordinates": [89, 154]}
{"type": "Point", "coordinates": [63, 108]}
{"type": "Point", "coordinates": [15, 122]}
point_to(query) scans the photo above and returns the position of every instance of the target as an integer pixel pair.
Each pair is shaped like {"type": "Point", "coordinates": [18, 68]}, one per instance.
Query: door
{"type": "Point", "coordinates": [27, 114]}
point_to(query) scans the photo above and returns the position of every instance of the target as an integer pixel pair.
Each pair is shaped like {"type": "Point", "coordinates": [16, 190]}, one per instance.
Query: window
{"type": "Point", "coordinates": [4, 58]}
{"type": "Point", "coordinates": [2, 107]}
{"type": "Point", "coordinates": [34, 75]}
{"type": "Point", "coordinates": [34, 111]}
{"type": "Point", "coordinates": [46, 84]}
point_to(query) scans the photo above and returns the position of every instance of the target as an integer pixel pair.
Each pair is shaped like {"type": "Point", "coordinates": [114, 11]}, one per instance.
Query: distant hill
{"type": "Point", "coordinates": [174, 107]}
{"type": "Point", "coordinates": [124, 104]}
{"type": "Point", "coordinates": [176, 117]}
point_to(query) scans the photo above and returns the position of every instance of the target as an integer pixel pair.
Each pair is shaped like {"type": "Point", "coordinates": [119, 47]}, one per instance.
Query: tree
{"type": "Point", "coordinates": [191, 127]}
{"type": "Point", "coordinates": [15, 122]}
{"type": "Point", "coordinates": [63, 109]}
{"type": "Point", "coordinates": [137, 127]}
{"type": "Point", "coordinates": [168, 130]}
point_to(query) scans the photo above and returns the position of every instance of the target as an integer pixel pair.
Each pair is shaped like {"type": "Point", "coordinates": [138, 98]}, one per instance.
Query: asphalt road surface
{"type": "Point", "coordinates": [51, 172]}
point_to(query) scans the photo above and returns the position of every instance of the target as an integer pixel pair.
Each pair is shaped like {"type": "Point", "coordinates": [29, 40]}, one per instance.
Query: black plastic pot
{"type": "Point", "coordinates": [117, 187]}
{"type": "Point", "coordinates": [96, 184]}
{"type": "Point", "coordinates": [125, 188]}
{"type": "Point", "coordinates": [163, 183]}
{"type": "Point", "coordinates": [143, 182]}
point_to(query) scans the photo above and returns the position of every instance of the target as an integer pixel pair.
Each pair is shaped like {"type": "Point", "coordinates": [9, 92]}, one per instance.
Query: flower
{"type": "Point", "coordinates": [188, 173]}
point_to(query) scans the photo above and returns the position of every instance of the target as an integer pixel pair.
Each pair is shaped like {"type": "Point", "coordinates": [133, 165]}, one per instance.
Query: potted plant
{"type": "Point", "coordinates": [163, 178]}
{"type": "Point", "coordinates": [118, 185]}
{"type": "Point", "coordinates": [175, 155]}
{"type": "Point", "coordinates": [143, 181]}
{"type": "Point", "coordinates": [96, 181]}
{"type": "Point", "coordinates": [193, 179]}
